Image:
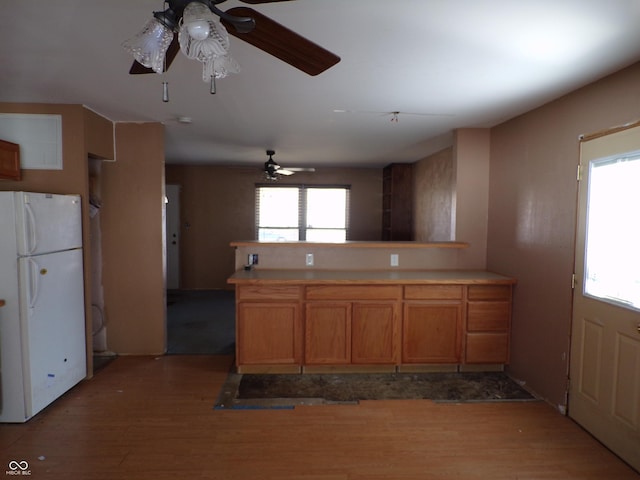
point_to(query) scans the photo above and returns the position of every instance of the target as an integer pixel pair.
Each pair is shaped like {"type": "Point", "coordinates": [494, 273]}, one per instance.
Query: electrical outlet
{"type": "Point", "coordinates": [309, 259]}
{"type": "Point", "coordinates": [395, 260]}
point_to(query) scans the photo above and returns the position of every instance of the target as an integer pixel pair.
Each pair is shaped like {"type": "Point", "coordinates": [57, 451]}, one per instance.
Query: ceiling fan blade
{"type": "Point", "coordinates": [284, 171]}
{"type": "Point", "coordinates": [174, 47]}
{"type": "Point", "coordinates": [300, 169]}
{"type": "Point", "coordinates": [282, 43]}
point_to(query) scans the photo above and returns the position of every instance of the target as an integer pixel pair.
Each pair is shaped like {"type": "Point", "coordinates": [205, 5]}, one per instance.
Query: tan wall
{"type": "Point", "coordinates": [327, 257]}
{"type": "Point", "coordinates": [471, 160]}
{"type": "Point", "coordinates": [132, 216]}
{"type": "Point", "coordinates": [532, 209]}
{"type": "Point", "coordinates": [217, 206]}
{"type": "Point", "coordinates": [433, 193]}
{"type": "Point", "coordinates": [73, 178]}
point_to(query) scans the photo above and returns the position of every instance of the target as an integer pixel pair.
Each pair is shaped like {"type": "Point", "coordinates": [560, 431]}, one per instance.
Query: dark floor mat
{"type": "Point", "coordinates": [350, 388]}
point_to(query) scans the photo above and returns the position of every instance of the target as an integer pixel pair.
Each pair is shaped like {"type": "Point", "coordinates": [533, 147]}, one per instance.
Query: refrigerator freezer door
{"type": "Point", "coordinates": [47, 222]}
{"type": "Point", "coordinates": [53, 340]}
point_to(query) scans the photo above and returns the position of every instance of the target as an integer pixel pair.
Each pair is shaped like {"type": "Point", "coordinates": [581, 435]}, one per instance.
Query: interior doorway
{"type": "Point", "coordinates": [604, 395]}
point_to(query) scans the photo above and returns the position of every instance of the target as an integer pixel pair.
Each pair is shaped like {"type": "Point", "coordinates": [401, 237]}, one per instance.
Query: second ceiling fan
{"type": "Point", "coordinates": [272, 170]}
{"type": "Point", "coordinates": [242, 22]}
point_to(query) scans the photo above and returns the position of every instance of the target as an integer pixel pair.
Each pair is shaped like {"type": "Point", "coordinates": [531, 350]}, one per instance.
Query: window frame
{"type": "Point", "coordinates": [302, 226]}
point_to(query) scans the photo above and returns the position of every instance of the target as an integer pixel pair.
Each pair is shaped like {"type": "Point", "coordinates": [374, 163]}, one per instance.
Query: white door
{"type": "Point", "coordinates": [173, 236]}
{"type": "Point", "coordinates": [48, 223]}
{"type": "Point", "coordinates": [53, 334]}
{"type": "Point", "coordinates": [604, 394]}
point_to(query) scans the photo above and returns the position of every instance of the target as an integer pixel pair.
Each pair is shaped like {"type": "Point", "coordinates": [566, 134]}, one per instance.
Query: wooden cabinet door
{"type": "Point", "coordinates": [327, 333]}
{"type": "Point", "coordinates": [9, 161]}
{"type": "Point", "coordinates": [374, 333]}
{"type": "Point", "coordinates": [431, 332]}
{"type": "Point", "coordinates": [268, 333]}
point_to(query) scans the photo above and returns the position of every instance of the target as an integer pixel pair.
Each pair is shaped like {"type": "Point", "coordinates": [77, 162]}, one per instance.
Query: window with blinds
{"type": "Point", "coordinates": [302, 212]}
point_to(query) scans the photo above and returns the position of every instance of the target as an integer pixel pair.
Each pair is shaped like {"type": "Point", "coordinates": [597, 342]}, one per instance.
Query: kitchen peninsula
{"type": "Point", "coordinates": [324, 318]}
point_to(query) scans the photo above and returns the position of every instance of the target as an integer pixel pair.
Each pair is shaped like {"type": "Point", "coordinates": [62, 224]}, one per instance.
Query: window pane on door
{"type": "Point", "coordinates": [612, 257]}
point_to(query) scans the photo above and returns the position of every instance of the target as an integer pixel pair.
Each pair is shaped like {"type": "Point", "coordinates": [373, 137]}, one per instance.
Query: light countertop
{"type": "Point", "coordinates": [417, 277]}
{"type": "Point", "coordinates": [351, 244]}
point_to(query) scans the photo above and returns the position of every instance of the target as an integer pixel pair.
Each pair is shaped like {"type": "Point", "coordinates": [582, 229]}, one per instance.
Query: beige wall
{"type": "Point", "coordinates": [470, 205]}
{"type": "Point", "coordinates": [532, 207]}
{"type": "Point", "coordinates": [433, 194]}
{"type": "Point", "coordinates": [132, 224]}
{"type": "Point", "coordinates": [217, 206]}
{"type": "Point", "coordinates": [354, 256]}
{"type": "Point", "coordinates": [83, 135]}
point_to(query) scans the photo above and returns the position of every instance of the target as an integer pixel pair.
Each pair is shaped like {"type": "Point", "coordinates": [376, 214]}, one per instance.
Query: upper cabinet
{"type": "Point", "coordinates": [9, 161]}
{"type": "Point", "coordinates": [397, 202]}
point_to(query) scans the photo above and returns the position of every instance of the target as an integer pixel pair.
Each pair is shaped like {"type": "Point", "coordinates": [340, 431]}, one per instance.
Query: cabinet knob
{"type": "Point", "coordinates": [2, 305]}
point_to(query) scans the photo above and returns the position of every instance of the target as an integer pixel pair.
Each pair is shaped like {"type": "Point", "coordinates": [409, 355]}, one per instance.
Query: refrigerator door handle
{"type": "Point", "coordinates": [31, 227]}
{"type": "Point", "coordinates": [34, 285]}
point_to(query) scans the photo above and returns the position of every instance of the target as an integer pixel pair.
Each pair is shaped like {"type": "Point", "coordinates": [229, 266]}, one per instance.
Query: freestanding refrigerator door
{"type": "Point", "coordinates": [47, 222]}
{"type": "Point", "coordinates": [54, 335]}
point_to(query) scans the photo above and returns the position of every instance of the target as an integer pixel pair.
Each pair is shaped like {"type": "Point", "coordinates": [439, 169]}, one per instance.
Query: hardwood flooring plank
{"type": "Point", "coordinates": [153, 418]}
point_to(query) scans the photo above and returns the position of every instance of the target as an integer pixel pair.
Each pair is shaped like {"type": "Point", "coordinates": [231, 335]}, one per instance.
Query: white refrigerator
{"type": "Point", "coordinates": [42, 324]}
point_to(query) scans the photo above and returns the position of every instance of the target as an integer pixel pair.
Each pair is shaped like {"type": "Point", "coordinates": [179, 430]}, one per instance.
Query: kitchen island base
{"type": "Point", "coordinates": [290, 321]}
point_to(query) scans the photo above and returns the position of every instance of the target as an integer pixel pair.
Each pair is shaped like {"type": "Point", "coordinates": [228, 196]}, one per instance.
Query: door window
{"type": "Point", "coordinates": [612, 257]}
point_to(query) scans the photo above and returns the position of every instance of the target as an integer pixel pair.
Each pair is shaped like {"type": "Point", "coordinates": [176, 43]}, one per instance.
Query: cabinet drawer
{"type": "Point", "coordinates": [433, 292]}
{"type": "Point", "coordinates": [487, 348]}
{"type": "Point", "coordinates": [488, 316]}
{"type": "Point", "coordinates": [267, 292]}
{"type": "Point", "coordinates": [489, 292]}
{"type": "Point", "coordinates": [354, 292]}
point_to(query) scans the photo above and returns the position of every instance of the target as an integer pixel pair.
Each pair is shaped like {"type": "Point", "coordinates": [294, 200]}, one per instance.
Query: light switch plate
{"type": "Point", "coordinates": [395, 260]}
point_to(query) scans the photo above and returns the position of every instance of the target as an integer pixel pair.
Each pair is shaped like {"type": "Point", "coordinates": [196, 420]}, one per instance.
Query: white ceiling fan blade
{"type": "Point", "coordinates": [300, 169]}
{"type": "Point", "coordinates": [284, 171]}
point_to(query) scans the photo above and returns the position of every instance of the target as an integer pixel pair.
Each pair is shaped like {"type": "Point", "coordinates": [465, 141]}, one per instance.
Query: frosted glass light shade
{"type": "Point", "coordinates": [212, 49]}
{"type": "Point", "coordinates": [219, 67]}
{"type": "Point", "coordinates": [149, 46]}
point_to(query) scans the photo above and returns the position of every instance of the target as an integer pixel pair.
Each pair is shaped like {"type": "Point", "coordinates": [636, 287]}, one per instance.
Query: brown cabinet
{"type": "Point", "coordinates": [338, 333]}
{"type": "Point", "coordinates": [432, 324]}
{"type": "Point", "coordinates": [488, 324]}
{"type": "Point", "coordinates": [397, 202]}
{"type": "Point", "coordinates": [268, 326]}
{"type": "Point", "coordinates": [327, 333]}
{"type": "Point", "coordinates": [287, 327]}
{"type": "Point", "coordinates": [9, 161]}
{"type": "Point", "coordinates": [356, 324]}
{"type": "Point", "coordinates": [374, 333]}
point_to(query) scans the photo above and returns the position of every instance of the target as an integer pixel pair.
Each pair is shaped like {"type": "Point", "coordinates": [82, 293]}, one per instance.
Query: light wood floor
{"type": "Point", "coordinates": [152, 418]}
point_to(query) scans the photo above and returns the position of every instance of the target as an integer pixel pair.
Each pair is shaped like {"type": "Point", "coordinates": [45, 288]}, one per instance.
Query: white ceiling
{"type": "Point", "coordinates": [472, 63]}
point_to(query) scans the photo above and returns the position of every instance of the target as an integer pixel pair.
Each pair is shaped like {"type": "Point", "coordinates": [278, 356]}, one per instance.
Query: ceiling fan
{"type": "Point", "coordinates": [272, 169]}
{"type": "Point", "coordinates": [200, 36]}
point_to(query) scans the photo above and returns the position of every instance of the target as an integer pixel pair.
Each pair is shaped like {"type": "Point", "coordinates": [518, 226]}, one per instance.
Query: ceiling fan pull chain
{"type": "Point", "coordinates": [165, 92]}
{"type": "Point", "coordinates": [212, 88]}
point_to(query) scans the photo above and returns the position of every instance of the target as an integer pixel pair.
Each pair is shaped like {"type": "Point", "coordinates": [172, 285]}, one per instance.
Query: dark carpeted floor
{"type": "Point", "coordinates": [268, 391]}
{"type": "Point", "coordinates": [200, 322]}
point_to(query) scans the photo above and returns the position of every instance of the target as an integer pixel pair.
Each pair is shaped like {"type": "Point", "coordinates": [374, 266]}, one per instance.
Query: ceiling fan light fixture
{"type": "Point", "coordinates": [211, 49]}
{"type": "Point", "coordinates": [196, 20]}
{"type": "Point", "coordinates": [149, 46]}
